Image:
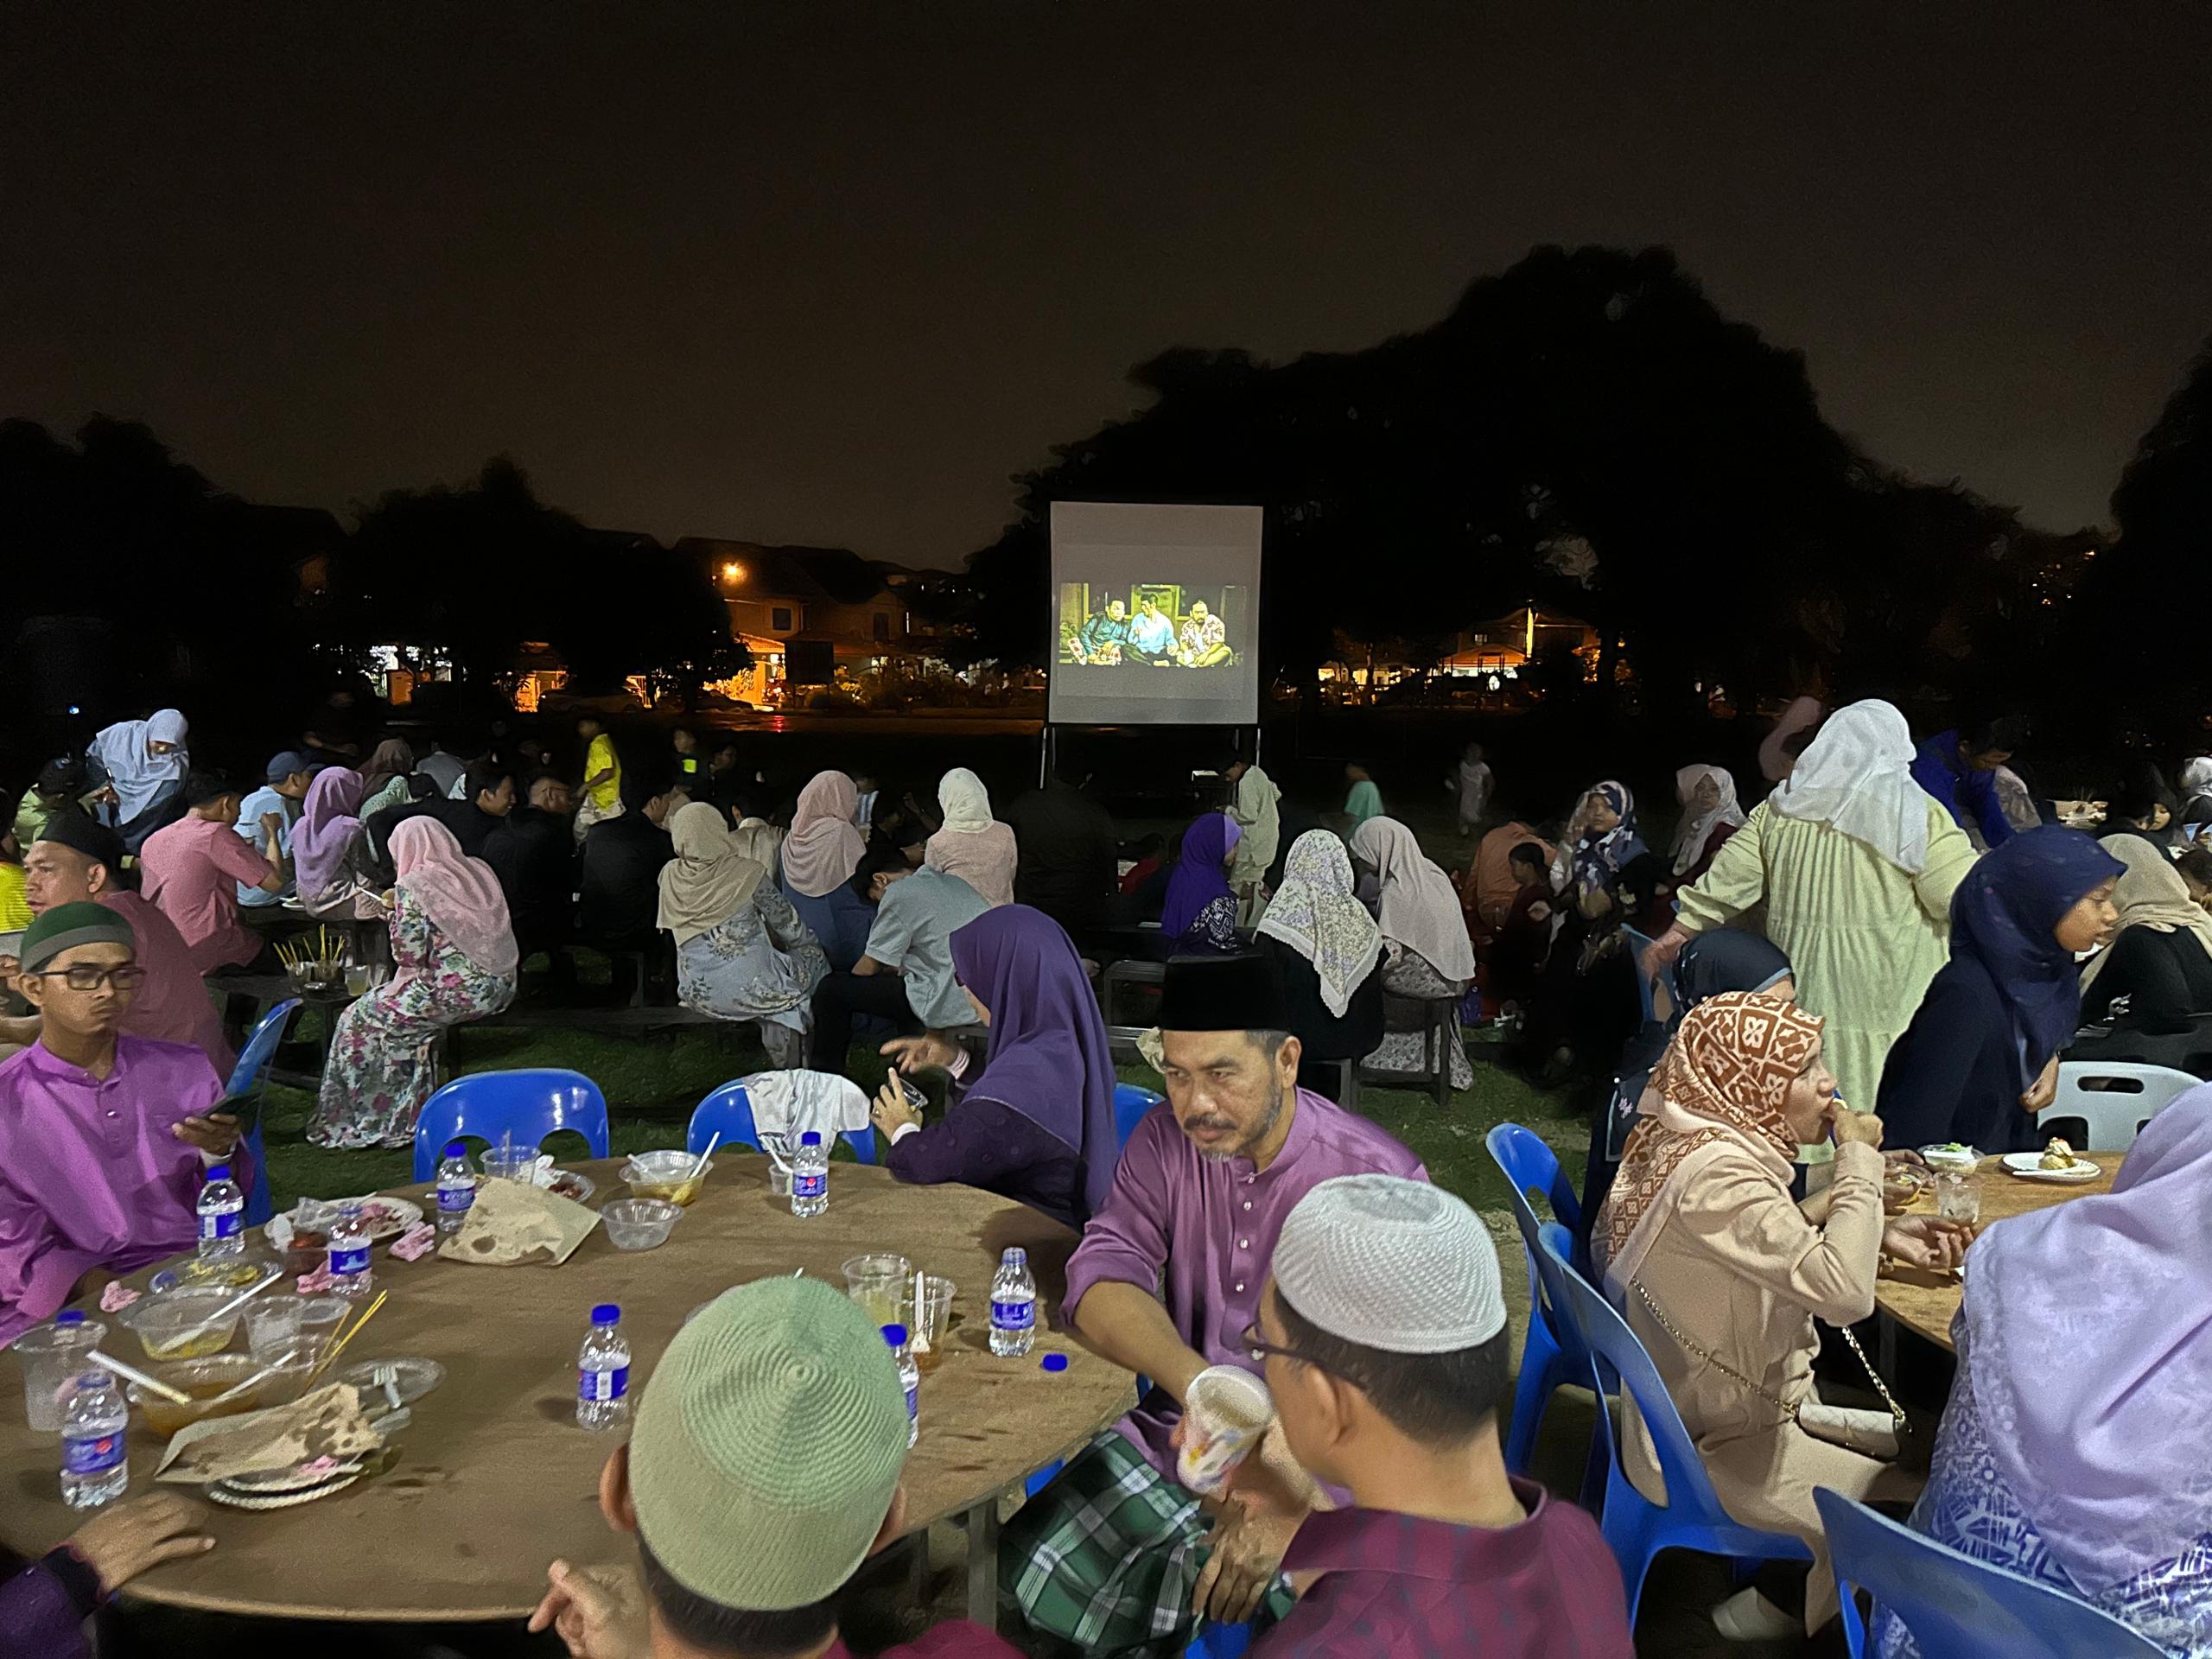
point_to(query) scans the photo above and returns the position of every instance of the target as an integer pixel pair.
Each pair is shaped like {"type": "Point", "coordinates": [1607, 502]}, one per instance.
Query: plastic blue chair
{"type": "Point", "coordinates": [1553, 1353]}
{"type": "Point", "coordinates": [529, 1104]}
{"type": "Point", "coordinates": [245, 1075]}
{"type": "Point", "coordinates": [1955, 1606]}
{"type": "Point", "coordinates": [1130, 1105]}
{"type": "Point", "coordinates": [1220, 1642]}
{"type": "Point", "coordinates": [1637, 944]}
{"type": "Point", "coordinates": [728, 1112]}
{"type": "Point", "coordinates": [1636, 1529]}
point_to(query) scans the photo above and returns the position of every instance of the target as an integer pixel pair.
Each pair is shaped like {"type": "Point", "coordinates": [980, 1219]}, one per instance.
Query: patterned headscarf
{"type": "Point", "coordinates": [1722, 1079]}
{"type": "Point", "coordinates": [1317, 914]}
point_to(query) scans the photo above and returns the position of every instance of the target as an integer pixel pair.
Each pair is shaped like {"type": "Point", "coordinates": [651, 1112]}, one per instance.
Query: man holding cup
{"type": "Point", "coordinates": [1116, 1555]}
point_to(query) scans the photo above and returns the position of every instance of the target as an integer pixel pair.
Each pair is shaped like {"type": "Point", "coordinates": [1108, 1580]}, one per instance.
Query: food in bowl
{"type": "Point", "coordinates": [663, 1175]}
{"type": "Point", "coordinates": [1952, 1154]}
{"type": "Point", "coordinates": [1901, 1184]}
{"type": "Point", "coordinates": [2058, 1155]}
{"type": "Point", "coordinates": [202, 1379]}
{"type": "Point", "coordinates": [639, 1223]}
{"type": "Point", "coordinates": [164, 1324]}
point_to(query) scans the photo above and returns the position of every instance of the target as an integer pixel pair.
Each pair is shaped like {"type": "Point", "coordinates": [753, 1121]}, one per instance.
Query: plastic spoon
{"type": "Point", "coordinates": [132, 1374]}
{"type": "Point", "coordinates": [230, 1308]}
{"type": "Point", "coordinates": [691, 1183]}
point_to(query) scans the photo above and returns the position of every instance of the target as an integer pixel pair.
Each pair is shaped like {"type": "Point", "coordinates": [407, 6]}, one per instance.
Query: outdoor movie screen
{"type": "Point", "coordinates": [1155, 614]}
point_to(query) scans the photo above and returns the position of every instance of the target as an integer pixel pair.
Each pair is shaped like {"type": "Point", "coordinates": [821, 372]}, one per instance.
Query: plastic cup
{"type": "Point", "coordinates": [511, 1164]}
{"type": "Point", "coordinates": [929, 1314]}
{"type": "Point", "coordinates": [53, 1357]}
{"type": "Point", "coordinates": [1957, 1197]}
{"type": "Point", "coordinates": [273, 1325]}
{"type": "Point", "coordinates": [878, 1284]}
{"type": "Point", "coordinates": [357, 979]}
{"type": "Point", "coordinates": [1225, 1415]}
{"type": "Point", "coordinates": [319, 1317]}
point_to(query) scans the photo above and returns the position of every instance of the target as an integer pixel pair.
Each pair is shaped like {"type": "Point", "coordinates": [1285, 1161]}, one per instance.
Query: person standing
{"type": "Point", "coordinates": [601, 791]}
{"type": "Point", "coordinates": [1471, 784]}
{"type": "Point", "coordinates": [1066, 854]}
{"type": "Point", "coordinates": [137, 768]}
{"type": "Point", "coordinates": [1364, 801]}
{"type": "Point", "coordinates": [193, 869]}
{"type": "Point", "coordinates": [278, 801]}
{"type": "Point", "coordinates": [1253, 810]}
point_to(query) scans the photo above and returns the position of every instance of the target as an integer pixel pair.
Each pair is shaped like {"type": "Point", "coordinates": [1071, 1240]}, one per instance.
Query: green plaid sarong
{"type": "Point", "coordinates": [1106, 1557]}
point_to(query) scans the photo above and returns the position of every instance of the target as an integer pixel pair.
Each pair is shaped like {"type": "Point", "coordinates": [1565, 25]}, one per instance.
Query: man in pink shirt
{"type": "Point", "coordinates": [193, 870]}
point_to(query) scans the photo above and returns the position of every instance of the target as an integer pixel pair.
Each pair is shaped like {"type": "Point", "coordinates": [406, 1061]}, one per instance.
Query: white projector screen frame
{"type": "Point", "coordinates": [1202, 563]}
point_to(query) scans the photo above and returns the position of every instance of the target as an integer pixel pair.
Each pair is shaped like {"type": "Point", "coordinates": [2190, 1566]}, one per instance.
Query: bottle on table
{"type": "Point", "coordinates": [222, 1216]}
{"type": "Point", "coordinates": [810, 1176]}
{"type": "Point", "coordinates": [909, 1378]}
{"type": "Point", "coordinates": [456, 1187]}
{"type": "Point", "coordinates": [350, 1273]}
{"type": "Point", "coordinates": [95, 1421]}
{"type": "Point", "coordinates": [603, 1372]}
{"type": "Point", "coordinates": [1013, 1305]}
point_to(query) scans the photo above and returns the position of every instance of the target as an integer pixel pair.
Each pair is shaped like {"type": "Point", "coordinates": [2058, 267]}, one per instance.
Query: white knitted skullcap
{"type": "Point", "coordinates": [1392, 1264]}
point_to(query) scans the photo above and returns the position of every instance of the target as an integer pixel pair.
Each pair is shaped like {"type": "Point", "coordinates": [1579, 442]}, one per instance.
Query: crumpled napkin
{"type": "Point", "coordinates": [115, 1296]}
{"type": "Point", "coordinates": [416, 1242]}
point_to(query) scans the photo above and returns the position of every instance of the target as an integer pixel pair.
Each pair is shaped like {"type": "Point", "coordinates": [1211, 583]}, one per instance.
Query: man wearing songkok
{"type": "Point", "coordinates": [1385, 1342]}
{"type": "Point", "coordinates": [76, 860]}
{"type": "Point", "coordinates": [763, 1470]}
{"type": "Point", "coordinates": [104, 1138]}
{"type": "Point", "coordinates": [1115, 1556]}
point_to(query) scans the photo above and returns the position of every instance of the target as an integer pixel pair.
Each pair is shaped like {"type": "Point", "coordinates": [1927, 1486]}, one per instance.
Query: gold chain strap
{"type": "Point", "coordinates": [1789, 1412]}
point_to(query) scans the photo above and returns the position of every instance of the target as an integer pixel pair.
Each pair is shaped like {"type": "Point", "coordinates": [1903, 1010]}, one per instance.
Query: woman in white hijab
{"type": "Point", "coordinates": [1710, 816]}
{"type": "Point", "coordinates": [741, 951]}
{"type": "Point", "coordinates": [973, 845]}
{"type": "Point", "coordinates": [143, 763]}
{"type": "Point", "coordinates": [1426, 952]}
{"type": "Point", "coordinates": [1856, 865]}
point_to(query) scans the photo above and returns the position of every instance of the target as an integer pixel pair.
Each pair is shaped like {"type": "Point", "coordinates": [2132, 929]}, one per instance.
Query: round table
{"type": "Point", "coordinates": [1924, 1302]}
{"type": "Point", "coordinates": [494, 1479]}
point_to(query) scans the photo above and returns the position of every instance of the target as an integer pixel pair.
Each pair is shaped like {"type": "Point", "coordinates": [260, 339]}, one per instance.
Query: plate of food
{"type": "Point", "coordinates": [1952, 1154]}
{"type": "Point", "coordinates": [387, 1217]}
{"type": "Point", "coordinates": [2056, 1162]}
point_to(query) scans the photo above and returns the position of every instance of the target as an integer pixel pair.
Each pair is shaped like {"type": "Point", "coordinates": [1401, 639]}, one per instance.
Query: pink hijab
{"type": "Point", "coordinates": [460, 893]}
{"type": "Point", "coordinates": [824, 846]}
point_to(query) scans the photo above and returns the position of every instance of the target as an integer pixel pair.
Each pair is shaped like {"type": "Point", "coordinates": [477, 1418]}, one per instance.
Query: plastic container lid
{"type": "Point", "coordinates": [809, 1139]}
{"type": "Point", "coordinates": [1054, 1361]}
{"type": "Point", "coordinates": [220, 1173]}
{"type": "Point", "coordinates": [607, 1314]}
{"type": "Point", "coordinates": [69, 1316]}
{"type": "Point", "coordinates": [895, 1335]}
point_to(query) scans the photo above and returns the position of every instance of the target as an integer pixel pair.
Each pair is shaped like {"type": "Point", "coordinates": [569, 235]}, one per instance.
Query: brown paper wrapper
{"type": "Point", "coordinates": [328, 1423]}
{"type": "Point", "coordinates": [513, 1226]}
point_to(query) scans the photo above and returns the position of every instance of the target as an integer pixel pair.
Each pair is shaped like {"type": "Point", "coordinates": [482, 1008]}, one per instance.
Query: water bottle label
{"type": "Point", "coordinates": [454, 1200]}
{"type": "Point", "coordinates": [809, 1185]}
{"type": "Point", "coordinates": [220, 1223]}
{"type": "Point", "coordinates": [94, 1455]}
{"type": "Point", "coordinates": [914, 1405]}
{"type": "Point", "coordinates": [1014, 1316]}
{"type": "Point", "coordinates": [344, 1263]}
{"type": "Point", "coordinates": [603, 1385]}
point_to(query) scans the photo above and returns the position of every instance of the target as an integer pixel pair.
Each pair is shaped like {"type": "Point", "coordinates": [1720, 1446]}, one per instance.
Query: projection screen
{"type": "Point", "coordinates": [1155, 615]}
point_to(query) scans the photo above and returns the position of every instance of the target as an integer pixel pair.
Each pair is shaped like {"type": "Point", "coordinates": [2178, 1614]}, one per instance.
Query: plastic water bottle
{"type": "Point", "coordinates": [94, 1422]}
{"type": "Point", "coordinates": [603, 1372]}
{"type": "Point", "coordinates": [810, 1176]}
{"type": "Point", "coordinates": [1014, 1306]}
{"type": "Point", "coordinates": [456, 1188]}
{"type": "Point", "coordinates": [222, 1216]}
{"type": "Point", "coordinates": [350, 1272]}
{"type": "Point", "coordinates": [909, 1378]}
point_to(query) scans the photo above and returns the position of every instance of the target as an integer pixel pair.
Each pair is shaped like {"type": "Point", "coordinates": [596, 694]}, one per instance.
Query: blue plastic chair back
{"type": "Point", "coordinates": [1955, 1606]}
{"type": "Point", "coordinates": [728, 1112]}
{"type": "Point", "coordinates": [246, 1074]}
{"type": "Point", "coordinates": [1637, 944]}
{"type": "Point", "coordinates": [1552, 1354]}
{"type": "Point", "coordinates": [1635, 1527]}
{"type": "Point", "coordinates": [1130, 1105]}
{"type": "Point", "coordinates": [1220, 1642]}
{"type": "Point", "coordinates": [528, 1105]}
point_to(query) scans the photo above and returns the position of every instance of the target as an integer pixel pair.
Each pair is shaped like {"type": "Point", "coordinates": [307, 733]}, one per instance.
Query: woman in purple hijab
{"type": "Point", "coordinates": [1200, 917]}
{"type": "Point", "coordinates": [329, 824]}
{"type": "Point", "coordinates": [1036, 1123]}
{"type": "Point", "coordinates": [2076, 1450]}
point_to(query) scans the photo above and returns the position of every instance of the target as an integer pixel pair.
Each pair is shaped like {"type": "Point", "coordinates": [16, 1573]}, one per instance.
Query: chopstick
{"type": "Point", "coordinates": [132, 1374]}
{"type": "Point", "coordinates": [368, 1314]}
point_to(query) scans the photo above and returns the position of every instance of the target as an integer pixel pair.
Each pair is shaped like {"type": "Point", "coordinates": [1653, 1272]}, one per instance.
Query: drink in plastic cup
{"type": "Point", "coordinates": [929, 1315]}
{"type": "Point", "coordinates": [357, 979]}
{"type": "Point", "coordinates": [880, 1283]}
{"type": "Point", "coordinates": [273, 1325]}
{"type": "Point", "coordinates": [1957, 1197]}
{"type": "Point", "coordinates": [53, 1356]}
{"type": "Point", "coordinates": [1225, 1415]}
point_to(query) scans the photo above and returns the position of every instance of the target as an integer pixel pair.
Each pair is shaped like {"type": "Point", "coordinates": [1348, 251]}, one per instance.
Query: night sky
{"type": "Point", "coordinates": [824, 274]}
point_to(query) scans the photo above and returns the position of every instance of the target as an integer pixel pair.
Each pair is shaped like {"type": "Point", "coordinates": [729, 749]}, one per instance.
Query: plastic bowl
{"type": "Point", "coordinates": [639, 1223]}
{"type": "Point", "coordinates": [162, 1323]}
{"type": "Point", "coordinates": [663, 1175]}
{"type": "Point", "coordinates": [203, 1379]}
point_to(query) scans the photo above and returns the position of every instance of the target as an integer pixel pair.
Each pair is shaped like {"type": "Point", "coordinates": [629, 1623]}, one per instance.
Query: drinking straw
{"type": "Point", "coordinates": [336, 1347]}
{"type": "Point", "coordinates": [240, 1388]}
{"type": "Point", "coordinates": [132, 1374]}
{"type": "Point", "coordinates": [690, 1182]}
{"type": "Point", "coordinates": [232, 1306]}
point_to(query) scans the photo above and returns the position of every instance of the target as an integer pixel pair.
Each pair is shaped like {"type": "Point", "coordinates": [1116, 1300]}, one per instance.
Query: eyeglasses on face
{"type": "Point", "coordinates": [1259, 1347]}
{"type": "Point", "coordinates": [87, 977]}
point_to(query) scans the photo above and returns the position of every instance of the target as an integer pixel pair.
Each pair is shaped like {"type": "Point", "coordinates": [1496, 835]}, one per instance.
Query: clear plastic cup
{"type": "Point", "coordinates": [929, 1316]}
{"type": "Point", "coordinates": [878, 1284]}
{"type": "Point", "coordinates": [319, 1317]}
{"type": "Point", "coordinates": [511, 1164]}
{"type": "Point", "coordinates": [53, 1356]}
{"type": "Point", "coordinates": [1958, 1196]}
{"type": "Point", "coordinates": [273, 1325]}
{"type": "Point", "coordinates": [1224, 1414]}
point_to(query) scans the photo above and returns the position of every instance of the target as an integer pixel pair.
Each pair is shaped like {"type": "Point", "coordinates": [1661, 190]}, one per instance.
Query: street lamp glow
{"type": "Point", "coordinates": [732, 571]}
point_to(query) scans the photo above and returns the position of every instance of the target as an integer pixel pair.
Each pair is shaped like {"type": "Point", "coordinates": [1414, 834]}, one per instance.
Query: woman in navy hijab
{"type": "Point", "coordinates": [1980, 1058]}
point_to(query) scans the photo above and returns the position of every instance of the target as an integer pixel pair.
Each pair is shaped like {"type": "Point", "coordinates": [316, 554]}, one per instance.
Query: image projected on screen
{"type": "Point", "coordinates": [1149, 626]}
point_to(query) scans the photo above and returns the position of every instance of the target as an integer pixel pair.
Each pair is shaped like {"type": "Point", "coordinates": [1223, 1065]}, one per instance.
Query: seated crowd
{"type": "Point", "coordinates": [1893, 948]}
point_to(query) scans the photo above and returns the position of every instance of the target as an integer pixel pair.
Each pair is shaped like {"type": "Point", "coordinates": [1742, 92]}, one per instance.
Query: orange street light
{"type": "Point", "coordinates": [732, 571]}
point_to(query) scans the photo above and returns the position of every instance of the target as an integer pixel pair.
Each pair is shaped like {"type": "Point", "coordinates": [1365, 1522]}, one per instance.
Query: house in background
{"type": "Point", "coordinates": [808, 613]}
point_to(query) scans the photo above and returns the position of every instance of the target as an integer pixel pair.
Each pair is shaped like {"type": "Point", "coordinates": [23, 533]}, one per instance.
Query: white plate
{"type": "Point", "coordinates": [2025, 1165]}
{"type": "Point", "coordinates": [393, 1217]}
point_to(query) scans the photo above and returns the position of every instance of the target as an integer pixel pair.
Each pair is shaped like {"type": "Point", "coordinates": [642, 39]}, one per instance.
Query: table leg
{"type": "Point", "coordinates": [983, 1563]}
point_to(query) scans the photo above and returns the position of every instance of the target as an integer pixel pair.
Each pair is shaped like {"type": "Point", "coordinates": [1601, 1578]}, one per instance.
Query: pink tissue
{"type": "Point", "coordinates": [115, 1296]}
{"type": "Point", "coordinates": [315, 1283]}
{"type": "Point", "coordinates": [416, 1242]}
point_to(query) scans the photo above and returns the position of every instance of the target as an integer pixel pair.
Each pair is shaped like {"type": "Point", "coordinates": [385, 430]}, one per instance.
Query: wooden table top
{"type": "Point", "coordinates": [494, 1479]}
{"type": "Point", "coordinates": [1924, 1303]}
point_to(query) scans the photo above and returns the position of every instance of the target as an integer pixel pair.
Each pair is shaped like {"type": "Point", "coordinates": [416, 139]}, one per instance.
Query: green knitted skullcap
{"type": "Point", "coordinates": [67, 926]}
{"type": "Point", "coordinates": [768, 1446]}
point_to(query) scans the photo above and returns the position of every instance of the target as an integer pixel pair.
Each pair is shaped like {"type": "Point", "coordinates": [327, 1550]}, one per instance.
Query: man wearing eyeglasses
{"type": "Point", "coordinates": [104, 1138]}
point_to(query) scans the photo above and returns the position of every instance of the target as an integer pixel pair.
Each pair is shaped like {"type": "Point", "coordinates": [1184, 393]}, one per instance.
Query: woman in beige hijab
{"type": "Point", "coordinates": [741, 951]}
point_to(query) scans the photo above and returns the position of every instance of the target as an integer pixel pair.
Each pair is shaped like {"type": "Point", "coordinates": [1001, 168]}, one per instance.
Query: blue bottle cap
{"type": "Point", "coordinates": [895, 1335]}
{"type": "Point", "coordinates": [69, 1316]}
{"type": "Point", "coordinates": [220, 1173]}
{"type": "Point", "coordinates": [1054, 1361]}
{"type": "Point", "coordinates": [809, 1139]}
{"type": "Point", "coordinates": [607, 1314]}
{"type": "Point", "coordinates": [456, 1149]}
